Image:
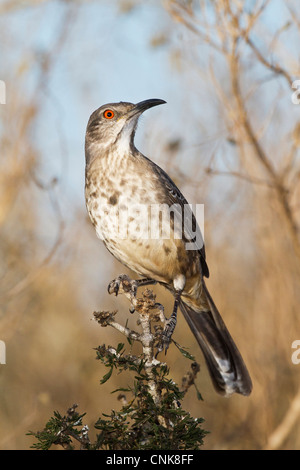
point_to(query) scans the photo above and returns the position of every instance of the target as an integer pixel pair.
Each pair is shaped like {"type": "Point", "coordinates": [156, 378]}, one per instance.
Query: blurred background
{"type": "Point", "coordinates": [229, 136]}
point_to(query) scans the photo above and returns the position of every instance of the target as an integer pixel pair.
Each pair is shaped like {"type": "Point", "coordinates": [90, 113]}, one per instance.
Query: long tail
{"type": "Point", "coordinates": [225, 364]}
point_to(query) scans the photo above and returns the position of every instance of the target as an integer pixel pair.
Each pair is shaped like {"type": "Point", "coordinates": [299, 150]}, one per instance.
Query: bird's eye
{"type": "Point", "coordinates": [108, 114]}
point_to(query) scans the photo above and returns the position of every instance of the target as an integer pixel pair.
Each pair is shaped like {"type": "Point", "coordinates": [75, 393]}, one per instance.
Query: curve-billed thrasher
{"type": "Point", "coordinates": [121, 181]}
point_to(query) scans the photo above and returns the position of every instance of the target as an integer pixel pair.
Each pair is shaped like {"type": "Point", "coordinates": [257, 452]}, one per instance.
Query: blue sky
{"type": "Point", "coordinates": [107, 57]}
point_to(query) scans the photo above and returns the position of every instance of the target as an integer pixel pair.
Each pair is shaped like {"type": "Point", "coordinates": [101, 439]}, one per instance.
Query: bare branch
{"type": "Point", "coordinates": [147, 309]}
{"type": "Point", "coordinates": [277, 69]}
{"type": "Point", "coordinates": [278, 436]}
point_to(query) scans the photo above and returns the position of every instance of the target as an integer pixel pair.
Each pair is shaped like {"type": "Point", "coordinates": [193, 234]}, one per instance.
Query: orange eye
{"type": "Point", "coordinates": [108, 114]}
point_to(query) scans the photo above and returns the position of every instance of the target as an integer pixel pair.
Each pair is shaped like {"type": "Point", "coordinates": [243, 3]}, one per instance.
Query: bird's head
{"type": "Point", "coordinates": [115, 123]}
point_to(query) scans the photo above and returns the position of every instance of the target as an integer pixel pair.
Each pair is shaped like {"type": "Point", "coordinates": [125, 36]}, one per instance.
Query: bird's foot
{"type": "Point", "coordinates": [166, 334]}
{"type": "Point", "coordinates": [124, 285]}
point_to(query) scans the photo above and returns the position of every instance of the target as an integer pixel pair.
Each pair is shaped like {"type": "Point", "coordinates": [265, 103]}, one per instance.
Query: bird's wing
{"type": "Point", "coordinates": [191, 229]}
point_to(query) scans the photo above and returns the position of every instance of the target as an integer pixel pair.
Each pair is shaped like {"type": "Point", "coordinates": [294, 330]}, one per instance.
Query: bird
{"type": "Point", "coordinates": [119, 181]}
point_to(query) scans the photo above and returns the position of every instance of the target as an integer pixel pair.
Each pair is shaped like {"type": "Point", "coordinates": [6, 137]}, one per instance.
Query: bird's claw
{"type": "Point", "coordinates": [123, 284]}
{"type": "Point", "coordinates": [113, 287]}
{"type": "Point", "coordinates": [166, 335]}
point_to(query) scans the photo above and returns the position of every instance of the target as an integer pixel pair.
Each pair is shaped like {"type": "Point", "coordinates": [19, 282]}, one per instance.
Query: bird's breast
{"type": "Point", "coordinates": [126, 208]}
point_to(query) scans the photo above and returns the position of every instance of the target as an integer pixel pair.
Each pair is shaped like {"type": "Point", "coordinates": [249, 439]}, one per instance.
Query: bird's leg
{"type": "Point", "coordinates": [170, 325]}
{"type": "Point", "coordinates": [124, 284]}
{"type": "Point", "coordinates": [161, 314]}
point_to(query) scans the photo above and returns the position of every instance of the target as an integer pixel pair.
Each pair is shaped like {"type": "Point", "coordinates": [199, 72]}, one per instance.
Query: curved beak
{"type": "Point", "coordinates": [143, 105]}
{"type": "Point", "coordinates": [140, 107]}
{"type": "Point", "coordinates": [134, 113]}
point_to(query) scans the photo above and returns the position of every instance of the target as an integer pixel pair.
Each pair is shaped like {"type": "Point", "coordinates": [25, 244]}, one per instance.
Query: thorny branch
{"type": "Point", "coordinates": [149, 311]}
{"type": "Point", "coordinates": [82, 436]}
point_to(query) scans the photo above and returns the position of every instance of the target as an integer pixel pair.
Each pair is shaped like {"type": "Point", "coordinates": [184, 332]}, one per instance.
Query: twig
{"type": "Point", "coordinates": [261, 156]}
{"type": "Point", "coordinates": [147, 309]}
{"type": "Point", "coordinates": [250, 179]}
{"type": "Point", "coordinates": [274, 67]}
{"type": "Point", "coordinates": [279, 435]}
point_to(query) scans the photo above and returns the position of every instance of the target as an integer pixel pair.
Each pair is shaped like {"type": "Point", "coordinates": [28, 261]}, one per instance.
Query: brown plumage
{"type": "Point", "coordinates": [124, 190]}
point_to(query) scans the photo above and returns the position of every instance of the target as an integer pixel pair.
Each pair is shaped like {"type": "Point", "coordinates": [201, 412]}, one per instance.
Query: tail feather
{"type": "Point", "coordinates": [225, 364]}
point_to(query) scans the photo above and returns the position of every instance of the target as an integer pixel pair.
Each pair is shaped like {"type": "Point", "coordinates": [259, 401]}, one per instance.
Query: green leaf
{"type": "Point", "coordinates": [121, 389]}
{"type": "Point", "coordinates": [199, 396]}
{"type": "Point", "coordinates": [119, 347]}
{"type": "Point", "coordinates": [106, 376]}
{"type": "Point", "coordinates": [184, 352]}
